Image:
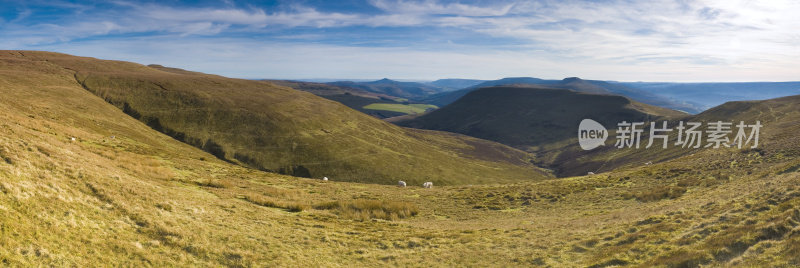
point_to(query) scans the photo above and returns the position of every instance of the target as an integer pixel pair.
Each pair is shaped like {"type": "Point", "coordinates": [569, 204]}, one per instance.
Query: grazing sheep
{"type": "Point", "coordinates": [427, 184]}
{"type": "Point", "coordinates": [72, 139]}
{"type": "Point", "coordinates": [325, 178]}
{"type": "Point", "coordinates": [590, 173]}
{"type": "Point", "coordinates": [401, 184]}
{"type": "Point", "coordinates": [648, 163]}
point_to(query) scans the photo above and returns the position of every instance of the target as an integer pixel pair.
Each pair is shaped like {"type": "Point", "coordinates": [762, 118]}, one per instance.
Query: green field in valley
{"type": "Point", "coordinates": [402, 108]}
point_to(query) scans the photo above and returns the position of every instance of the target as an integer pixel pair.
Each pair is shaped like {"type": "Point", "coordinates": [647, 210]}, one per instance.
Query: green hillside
{"type": "Point", "coordinates": [535, 119]}
{"type": "Point", "coordinates": [283, 130]}
{"type": "Point", "coordinates": [777, 116]}
{"type": "Point", "coordinates": [356, 99]}
{"type": "Point", "coordinates": [123, 194]}
{"type": "Point", "coordinates": [571, 83]}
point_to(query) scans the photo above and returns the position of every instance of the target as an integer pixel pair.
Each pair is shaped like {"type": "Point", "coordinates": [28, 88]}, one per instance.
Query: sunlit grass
{"type": "Point", "coordinates": [145, 199]}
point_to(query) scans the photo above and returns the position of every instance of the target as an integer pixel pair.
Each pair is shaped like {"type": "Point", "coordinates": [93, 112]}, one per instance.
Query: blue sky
{"type": "Point", "coordinates": [681, 40]}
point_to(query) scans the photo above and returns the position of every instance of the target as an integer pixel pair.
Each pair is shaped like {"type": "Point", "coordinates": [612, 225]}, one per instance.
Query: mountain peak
{"type": "Point", "coordinates": [572, 79]}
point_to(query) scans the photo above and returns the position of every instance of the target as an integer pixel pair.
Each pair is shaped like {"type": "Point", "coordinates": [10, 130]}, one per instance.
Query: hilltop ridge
{"type": "Point", "coordinates": [274, 128]}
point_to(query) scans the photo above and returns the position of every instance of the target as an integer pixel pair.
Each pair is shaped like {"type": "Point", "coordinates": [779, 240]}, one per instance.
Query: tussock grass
{"type": "Point", "coordinates": [215, 183]}
{"type": "Point", "coordinates": [290, 200]}
{"type": "Point", "coordinates": [362, 209]}
{"type": "Point", "coordinates": [141, 200]}
{"type": "Point", "coordinates": [273, 202]}
{"type": "Point", "coordinates": [656, 193]}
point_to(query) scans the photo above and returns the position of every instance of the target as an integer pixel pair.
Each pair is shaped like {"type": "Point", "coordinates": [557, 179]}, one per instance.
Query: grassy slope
{"type": "Point", "coordinates": [402, 108]}
{"type": "Point", "coordinates": [359, 103]}
{"type": "Point", "coordinates": [533, 118]}
{"type": "Point", "coordinates": [572, 83]}
{"type": "Point", "coordinates": [280, 129]}
{"type": "Point", "coordinates": [377, 105]}
{"type": "Point", "coordinates": [354, 98]}
{"type": "Point", "coordinates": [571, 160]}
{"type": "Point", "coordinates": [144, 199]}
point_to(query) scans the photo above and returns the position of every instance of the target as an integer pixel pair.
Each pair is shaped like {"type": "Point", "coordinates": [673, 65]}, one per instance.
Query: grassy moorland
{"type": "Point", "coordinates": [777, 116]}
{"type": "Point", "coordinates": [518, 115]}
{"type": "Point", "coordinates": [273, 128]}
{"type": "Point", "coordinates": [537, 119]}
{"type": "Point", "coordinates": [123, 194]}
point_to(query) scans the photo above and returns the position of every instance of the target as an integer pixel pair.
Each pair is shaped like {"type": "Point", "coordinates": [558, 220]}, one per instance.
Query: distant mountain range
{"type": "Point", "coordinates": [407, 90]}
{"type": "Point", "coordinates": [356, 98]}
{"type": "Point", "coordinates": [692, 98]}
{"type": "Point", "coordinates": [707, 95]}
{"type": "Point", "coordinates": [574, 83]}
{"type": "Point", "coordinates": [451, 84]}
{"type": "Point", "coordinates": [442, 92]}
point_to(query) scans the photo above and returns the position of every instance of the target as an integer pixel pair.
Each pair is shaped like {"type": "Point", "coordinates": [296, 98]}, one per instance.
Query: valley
{"type": "Point", "coordinates": [141, 184]}
{"type": "Point", "coordinates": [400, 133]}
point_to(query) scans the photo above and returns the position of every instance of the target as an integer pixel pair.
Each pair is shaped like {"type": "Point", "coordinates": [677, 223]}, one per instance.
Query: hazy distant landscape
{"type": "Point", "coordinates": [445, 134]}
{"type": "Point", "coordinates": [707, 95]}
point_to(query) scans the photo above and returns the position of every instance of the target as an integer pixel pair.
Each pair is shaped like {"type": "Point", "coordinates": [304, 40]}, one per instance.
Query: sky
{"type": "Point", "coordinates": [676, 41]}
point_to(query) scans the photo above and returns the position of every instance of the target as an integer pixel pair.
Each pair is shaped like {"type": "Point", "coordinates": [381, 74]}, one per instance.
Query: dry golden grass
{"type": "Point", "coordinates": [283, 130]}
{"type": "Point", "coordinates": [145, 199]}
{"type": "Point", "coordinates": [273, 202]}
{"type": "Point", "coordinates": [361, 209]}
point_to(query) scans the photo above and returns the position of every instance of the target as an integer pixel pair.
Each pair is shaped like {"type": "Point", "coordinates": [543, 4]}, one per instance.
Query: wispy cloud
{"type": "Point", "coordinates": [437, 8]}
{"type": "Point", "coordinates": [615, 39]}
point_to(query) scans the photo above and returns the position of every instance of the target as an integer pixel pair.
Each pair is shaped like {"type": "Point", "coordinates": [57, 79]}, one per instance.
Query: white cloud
{"type": "Point", "coordinates": [622, 39]}
{"type": "Point", "coordinates": [253, 59]}
{"type": "Point", "coordinates": [25, 13]}
{"type": "Point", "coordinates": [228, 15]}
{"type": "Point", "coordinates": [434, 7]}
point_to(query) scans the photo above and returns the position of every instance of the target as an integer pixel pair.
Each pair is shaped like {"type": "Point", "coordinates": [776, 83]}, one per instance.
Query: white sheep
{"type": "Point", "coordinates": [401, 184]}
{"type": "Point", "coordinates": [427, 185]}
{"type": "Point", "coordinates": [325, 178]}
{"type": "Point", "coordinates": [590, 173]}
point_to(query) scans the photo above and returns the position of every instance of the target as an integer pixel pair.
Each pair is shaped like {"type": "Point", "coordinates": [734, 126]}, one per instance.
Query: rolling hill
{"type": "Point", "coordinates": [534, 118]}
{"type": "Point", "coordinates": [777, 115]}
{"type": "Point", "coordinates": [381, 106]}
{"type": "Point", "coordinates": [354, 98]}
{"type": "Point", "coordinates": [122, 194]}
{"type": "Point", "coordinates": [531, 117]}
{"type": "Point", "coordinates": [279, 129]}
{"type": "Point", "coordinates": [445, 98]}
{"type": "Point", "coordinates": [573, 83]}
{"type": "Point", "coordinates": [451, 84]}
{"type": "Point", "coordinates": [544, 121]}
{"type": "Point", "coordinates": [707, 95]}
{"type": "Point", "coordinates": [407, 90]}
